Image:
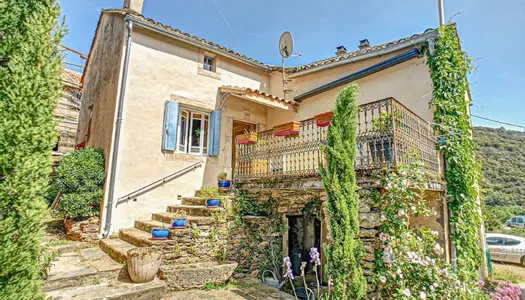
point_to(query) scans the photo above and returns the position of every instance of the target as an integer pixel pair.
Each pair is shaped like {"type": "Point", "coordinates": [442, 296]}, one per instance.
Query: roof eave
{"type": "Point", "coordinates": [378, 53]}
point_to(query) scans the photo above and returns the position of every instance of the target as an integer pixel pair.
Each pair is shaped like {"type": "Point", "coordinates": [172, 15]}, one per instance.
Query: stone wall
{"type": "Point", "coordinates": [85, 230]}
{"type": "Point", "coordinates": [291, 202]}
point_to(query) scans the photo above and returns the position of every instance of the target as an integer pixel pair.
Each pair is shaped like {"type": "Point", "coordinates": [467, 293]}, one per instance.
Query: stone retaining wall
{"type": "Point", "coordinates": [84, 230]}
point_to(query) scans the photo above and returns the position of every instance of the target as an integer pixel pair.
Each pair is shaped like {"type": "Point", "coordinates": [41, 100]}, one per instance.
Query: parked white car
{"type": "Point", "coordinates": [516, 221]}
{"type": "Point", "coordinates": [506, 248]}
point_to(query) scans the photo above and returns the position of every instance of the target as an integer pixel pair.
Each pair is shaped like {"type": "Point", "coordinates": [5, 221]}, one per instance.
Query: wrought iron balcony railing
{"type": "Point", "coordinates": [387, 133]}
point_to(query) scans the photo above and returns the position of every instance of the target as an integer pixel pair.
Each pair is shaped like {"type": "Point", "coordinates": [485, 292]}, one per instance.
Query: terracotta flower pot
{"type": "Point", "coordinates": [143, 264]}
{"type": "Point", "coordinates": [324, 119]}
{"type": "Point", "coordinates": [246, 138]}
{"type": "Point", "coordinates": [289, 128]}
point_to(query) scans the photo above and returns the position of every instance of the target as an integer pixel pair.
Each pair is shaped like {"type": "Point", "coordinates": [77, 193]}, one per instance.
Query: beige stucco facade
{"type": "Point", "coordinates": [162, 68]}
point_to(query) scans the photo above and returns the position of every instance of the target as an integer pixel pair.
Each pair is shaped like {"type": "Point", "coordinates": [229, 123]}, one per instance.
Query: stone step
{"type": "Point", "coordinates": [191, 276]}
{"type": "Point", "coordinates": [116, 248]}
{"type": "Point", "coordinates": [148, 225]}
{"type": "Point", "coordinates": [141, 238]}
{"type": "Point", "coordinates": [193, 201]}
{"type": "Point", "coordinates": [198, 220]}
{"type": "Point", "coordinates": [114, 290]}
{"type": "Point", "coordinates": [194, 210]}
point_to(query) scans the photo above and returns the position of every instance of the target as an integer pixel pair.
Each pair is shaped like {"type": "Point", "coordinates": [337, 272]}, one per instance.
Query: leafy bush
{"type": "Point", "coordinates": [80, 178]}
{"type": "Point", "coordinates": [496, 216]}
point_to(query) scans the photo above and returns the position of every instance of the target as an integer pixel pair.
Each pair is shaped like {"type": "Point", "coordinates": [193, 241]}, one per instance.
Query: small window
{"type": "Point", "coordinates": [193, 132]}
{"type": "Point", "coordinates": [520, 220]}
{"type": "Point", "coordinates": [209, 63]}
{"type": "Point", "coordinates": [495, 241]}
{"type": "Point", "coordinates": [511, 242]}
{"type": "Point", "coordinates": [513, 220]}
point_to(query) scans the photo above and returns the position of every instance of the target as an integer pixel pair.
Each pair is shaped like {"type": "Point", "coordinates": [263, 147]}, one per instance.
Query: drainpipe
{"type": "Point", "coordinates": [116, 139]}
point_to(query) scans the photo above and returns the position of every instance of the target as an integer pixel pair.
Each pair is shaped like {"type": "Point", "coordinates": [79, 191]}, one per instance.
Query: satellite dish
{"type": "Point", "coordinates": [286, 44]}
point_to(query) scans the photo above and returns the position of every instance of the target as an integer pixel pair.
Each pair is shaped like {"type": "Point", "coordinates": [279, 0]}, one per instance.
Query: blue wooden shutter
{"type": "Point", "coordinates": [215, 133]}
{"type": "Point", "coordinates": [171, 120]}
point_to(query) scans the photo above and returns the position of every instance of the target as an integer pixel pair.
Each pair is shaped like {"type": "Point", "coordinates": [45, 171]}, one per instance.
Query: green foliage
{"type": "Point", "coordinates": [222, 176]}
{"type": "Point", "coordinates": [80, 178]}
{"type": "Point", "coordinates": [246, 206]}
{"type": "Point", "coordinates": [30, 66]}
{"type": "Point", "coordinates": [449, 68]}
{"type": "Point", "coordinates": [411, 265]}
{"type": "Point", "coordinates": [208, 286]}
{"type": "Point", "coordinates": [345, 251]}
{"type": "Point", "coordinates": [503, 155]}
{"type": "Point", "coordinates": [209, 193]}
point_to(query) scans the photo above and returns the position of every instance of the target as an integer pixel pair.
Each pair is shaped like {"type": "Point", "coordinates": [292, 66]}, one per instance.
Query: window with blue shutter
{"type": "Point", "coordinates": [171, 119]}
{"type": "Point", "coordinates": [215, 133]}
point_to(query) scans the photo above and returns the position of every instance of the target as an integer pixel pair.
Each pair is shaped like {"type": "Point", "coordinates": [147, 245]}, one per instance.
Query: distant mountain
{"type": "Point", "coordinates": [502, 153]}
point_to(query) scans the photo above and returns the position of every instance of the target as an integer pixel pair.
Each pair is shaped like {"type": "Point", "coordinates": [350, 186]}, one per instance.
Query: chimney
{"type": "Point", "coordinates": [134, 5]}
{"type": "Point", "coordinates": [341, 50]}
{"type": "Point", "coordinates": [363, 44]}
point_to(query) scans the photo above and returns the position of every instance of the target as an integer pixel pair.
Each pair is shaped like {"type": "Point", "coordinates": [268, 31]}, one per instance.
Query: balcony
{"type": "Point", "coordinates": [387, 133]}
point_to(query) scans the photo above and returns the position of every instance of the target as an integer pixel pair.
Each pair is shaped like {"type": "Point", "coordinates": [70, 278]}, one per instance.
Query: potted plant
{"type": "Point", "coordinates": [285, 129]}
{"type": "Point", "coordinates": [222, 182]}
{"type": "Point", "coordinates": [158, 233]}
{"type": "Point", "coordinates": [212, 197]}
{"type": "Point", "coordinates": [143, 264]}
{"type": "Point", "coordinates": [246, 138]}
{"type": "Point", "coordinates": [180, 220]}
{"type": "Point", "coordinates": [324, 119]}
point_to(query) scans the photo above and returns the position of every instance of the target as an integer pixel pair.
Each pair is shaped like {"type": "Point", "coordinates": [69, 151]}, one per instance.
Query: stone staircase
{"type": "Point", "coordinates": [192, 253]}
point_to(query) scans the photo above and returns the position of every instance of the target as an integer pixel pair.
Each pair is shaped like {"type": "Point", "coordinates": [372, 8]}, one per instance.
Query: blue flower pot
{"type": "Point", "coordinates": [213, 203]}
{"type": "Point", "coordinates": [160, 233]}
{"type": "Point", "coordinates": [224, 184]}
{"type": "Point", "coordinates": [179, 223]}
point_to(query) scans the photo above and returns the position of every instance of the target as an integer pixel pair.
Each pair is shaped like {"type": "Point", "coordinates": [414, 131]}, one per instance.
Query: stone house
{"type": "Point", "coordinates": [67, 112]}
{"type": "Point", "coordinates": [167, 107]}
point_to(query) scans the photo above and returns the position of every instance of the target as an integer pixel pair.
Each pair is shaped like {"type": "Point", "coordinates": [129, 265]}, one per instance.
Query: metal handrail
{"type": "Point", "coordinates": [161, 181]}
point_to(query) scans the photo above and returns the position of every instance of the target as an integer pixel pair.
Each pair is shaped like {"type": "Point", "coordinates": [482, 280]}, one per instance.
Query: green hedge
{"type": "Point", "coordinates": [80, 178]}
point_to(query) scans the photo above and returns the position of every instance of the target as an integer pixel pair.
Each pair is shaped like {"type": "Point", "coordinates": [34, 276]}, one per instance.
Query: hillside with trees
{"type": "Point", "coordinates": [502, 153]}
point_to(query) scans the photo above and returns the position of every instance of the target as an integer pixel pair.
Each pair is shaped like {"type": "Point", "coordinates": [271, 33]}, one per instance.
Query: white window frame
{"type": "Point", "coordinates": [205, 64]}
{"type": "Point", "coordinates": [203, 149]}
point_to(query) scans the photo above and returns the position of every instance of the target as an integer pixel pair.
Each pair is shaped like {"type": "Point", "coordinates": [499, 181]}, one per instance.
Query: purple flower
{"type": "Point", "coordinates": [288, 265]}
{"type": "Point", "coordinates": [314, 255]}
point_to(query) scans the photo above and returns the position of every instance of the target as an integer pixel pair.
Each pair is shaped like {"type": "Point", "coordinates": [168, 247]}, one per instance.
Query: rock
{"type": "Point", "coordinates": [367, 233]}
{"type": "Point", "coordinates": [369, 220]}
{"type": "Point", "coordinates": [254, 274]}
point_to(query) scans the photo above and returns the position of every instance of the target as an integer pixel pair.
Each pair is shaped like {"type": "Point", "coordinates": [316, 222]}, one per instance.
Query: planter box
{"type": "Point", "coordinates": [324, 119]}
{"type": "Point", "coordinates": [290, 128]}
{"type": "Point", "coordinates": [246, 138]}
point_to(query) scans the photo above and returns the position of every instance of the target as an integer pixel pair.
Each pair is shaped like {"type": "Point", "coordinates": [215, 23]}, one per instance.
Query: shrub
{"type": "Point", "coordinates": [80, 178]}
{"type": "Point", "coordinates": [30, 66]}
{"type": "Point", "coordinates": [345, 251]}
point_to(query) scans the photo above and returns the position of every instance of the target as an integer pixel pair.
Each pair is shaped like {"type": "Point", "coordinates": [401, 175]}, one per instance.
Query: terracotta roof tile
{"type": "Point", "coordinates": [257, 92]}
{"type": "Point", "coordinates": [71, 76]}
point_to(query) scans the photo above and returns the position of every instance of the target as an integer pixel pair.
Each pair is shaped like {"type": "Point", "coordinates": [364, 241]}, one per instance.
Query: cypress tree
{"type": "Point", "coordinates": [345, 251]}
{"type": "Point", "coordinates": [30, 66]}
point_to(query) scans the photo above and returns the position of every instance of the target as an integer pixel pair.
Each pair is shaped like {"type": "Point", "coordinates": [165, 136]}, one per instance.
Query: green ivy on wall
{"type": "Point", "coordinates": [449, 67]}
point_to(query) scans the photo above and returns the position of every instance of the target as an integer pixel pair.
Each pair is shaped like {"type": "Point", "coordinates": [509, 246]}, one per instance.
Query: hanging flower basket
{"type": "Point", "coordinates": [246, 138]}
{"type": "Point", "coordinates": [290, 128]}
{"type": "Point", "coordinates": [324, 119]}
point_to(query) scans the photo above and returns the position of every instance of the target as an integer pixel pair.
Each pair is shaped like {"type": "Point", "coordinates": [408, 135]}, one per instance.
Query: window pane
{"type": "Point", "coordinates": [196, 131]}
{"type": "Point", "coordinates": [511, 242]}
{"type": "Point", "coordinates": [494, 241]}
{"type": "Point", "coordinates": [520, 220]}
{"type": "Point", "coordinates": [513, 219]}
{"type": "Point", "coordinates": [206, 133]}
{"type": "Point", "coordinates": [182, 132]}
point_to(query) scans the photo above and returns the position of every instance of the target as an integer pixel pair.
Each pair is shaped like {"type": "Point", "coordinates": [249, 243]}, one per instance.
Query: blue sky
{"type": "Point", "coordinates": [491, 31]}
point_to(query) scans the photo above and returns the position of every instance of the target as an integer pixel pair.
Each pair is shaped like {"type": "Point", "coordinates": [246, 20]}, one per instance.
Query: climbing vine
{"type": "Point", "coordinates": [345, 251]}
{"type": "Point", "coordinates": [449, 67]}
